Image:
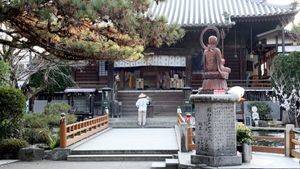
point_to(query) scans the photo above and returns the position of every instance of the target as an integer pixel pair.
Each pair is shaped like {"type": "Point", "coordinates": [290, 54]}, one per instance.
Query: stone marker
{"type": "Point", "coordinates": [215, 130]}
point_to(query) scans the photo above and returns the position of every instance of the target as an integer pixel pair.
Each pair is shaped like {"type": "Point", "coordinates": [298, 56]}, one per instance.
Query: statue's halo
{"type": "Point", "coordinates": [205, 30]}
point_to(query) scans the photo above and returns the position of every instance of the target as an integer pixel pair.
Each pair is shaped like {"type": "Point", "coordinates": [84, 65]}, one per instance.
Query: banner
{"type": "Point", "coordinates": [157, 60]}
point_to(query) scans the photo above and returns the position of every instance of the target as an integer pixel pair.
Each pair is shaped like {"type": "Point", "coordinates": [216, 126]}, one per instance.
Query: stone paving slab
{"type": "Point", "coordinates": [133, 139]}
{"type": "Point", "coordinates": [259, 160]}
{"type": "Point", "coordinates": [268, 160]}
{"type": "Point", "coordinates": [77, 165]}
{"type": "Point", "coordinates": [4, 162]}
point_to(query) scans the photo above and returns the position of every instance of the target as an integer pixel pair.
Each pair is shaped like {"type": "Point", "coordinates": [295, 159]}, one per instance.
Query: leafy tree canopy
{"type": "Point", "coordinates": [52, 80]}
{"type": "Point", "coordinates": [285, 71]}
{"type": "Point", "coordinates": [85, 29]}
{"type": "Point", "coordinates": [4, 73]}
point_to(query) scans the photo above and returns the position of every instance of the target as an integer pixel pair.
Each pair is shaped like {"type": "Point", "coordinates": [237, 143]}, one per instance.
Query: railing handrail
{"type": "Point", "coordinates": [72, 133]}
{"type": "Point", "coordinates": [82, 122]}
{"type": "Point", "coordinates": [267, 129]}
{"type": "Point", "coordinates": [180, 119]}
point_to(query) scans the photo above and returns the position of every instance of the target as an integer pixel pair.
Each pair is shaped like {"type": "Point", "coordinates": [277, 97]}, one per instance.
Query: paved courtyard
{"type": "Point", "coordinates": [260, 160]}
{"type": "Point", "coordinates": [77, 165]}
{"type": "Point", "coordinates": [268, 160]}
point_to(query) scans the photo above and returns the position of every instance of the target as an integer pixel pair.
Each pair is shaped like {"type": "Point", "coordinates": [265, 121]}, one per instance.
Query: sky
{"type": "Point", "coordinates": [286, 2]}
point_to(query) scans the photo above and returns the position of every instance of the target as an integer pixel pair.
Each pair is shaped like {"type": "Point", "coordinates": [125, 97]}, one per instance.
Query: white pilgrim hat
{"type": "Point", "coordinates": [142, 95]}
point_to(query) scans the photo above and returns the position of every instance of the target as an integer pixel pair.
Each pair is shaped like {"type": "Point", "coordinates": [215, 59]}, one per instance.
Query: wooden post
{"type": "Point", "coordinates": [63, 131]}
{"type": "Point", "coordinates": [292, 144]}
{"type": "Point", "coordinates": [189, 136]}
{"type": "Point", "coordinates": [288, 137]}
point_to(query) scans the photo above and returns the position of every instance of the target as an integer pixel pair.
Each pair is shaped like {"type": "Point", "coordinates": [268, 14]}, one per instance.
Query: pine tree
{"type": "Point", "coordinates": [85, 29]}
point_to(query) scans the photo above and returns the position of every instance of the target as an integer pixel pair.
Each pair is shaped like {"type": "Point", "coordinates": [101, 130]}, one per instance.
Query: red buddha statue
{"type": "Point", "coordinates": [215, 73]}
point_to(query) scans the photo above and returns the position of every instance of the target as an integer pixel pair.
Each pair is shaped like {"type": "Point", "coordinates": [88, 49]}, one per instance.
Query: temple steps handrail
{"type": "Point", "coordinates": [188, 133]}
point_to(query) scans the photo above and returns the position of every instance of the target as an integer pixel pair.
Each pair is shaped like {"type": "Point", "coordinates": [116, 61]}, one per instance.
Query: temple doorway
{"type": "Point", "coordinates": [151, 78]}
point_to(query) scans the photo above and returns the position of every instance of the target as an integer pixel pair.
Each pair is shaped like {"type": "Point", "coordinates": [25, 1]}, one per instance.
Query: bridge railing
{"type": "Point", "coordinates": [188, 133]}
{"type": "Point", "coordinates": [72, 133]}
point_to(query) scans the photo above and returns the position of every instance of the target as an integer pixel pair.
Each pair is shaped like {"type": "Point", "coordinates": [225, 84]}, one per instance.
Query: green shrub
{"type": "Point", "coordinates": [243, 134]}
{"type": "Point", "coordinates": [53, 120]}
{"type": "Point", "coordinates": [55, 142]}
{"type": "Point", "coordinates": [9, 148]}
{"type": "Point", "coordinates": [38, 135]}
{"type": "Point", "coordinates": [71, 118]}
{"type": "Point", "coordinates": [35, 120]}
{"type": "Point", "coordinates": [12, 106]}
{"type": "Point", "coordinates": [263, 110]}
{"type": "Point", "coordinates": [57, 108]}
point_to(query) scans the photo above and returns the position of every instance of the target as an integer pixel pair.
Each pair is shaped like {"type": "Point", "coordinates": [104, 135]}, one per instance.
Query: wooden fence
{"type": "Point", "coordinates": [255, 83]}
{"type": "Point", "coordinates": [293, 143]}
{"type": "Point", "coordinates": [188, 132]}
{"type": "Point", "coordinates": [72, 133]}
{"type": "Point", "coordinates": [269, 138]}
{"type": "Point", "coordinates": [290, 143]}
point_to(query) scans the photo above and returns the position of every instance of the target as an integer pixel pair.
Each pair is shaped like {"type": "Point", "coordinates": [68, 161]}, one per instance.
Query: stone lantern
{"type": "Point", "coordinates": [106, 98]}
{"type": "Point", "coordinates": [187, 107]}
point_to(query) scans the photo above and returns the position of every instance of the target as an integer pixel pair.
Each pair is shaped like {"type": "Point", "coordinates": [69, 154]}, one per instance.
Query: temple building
{"type": "Point", "coordinates": [246, 27]}
{"type": "Point", "coordinates": [242, 24]}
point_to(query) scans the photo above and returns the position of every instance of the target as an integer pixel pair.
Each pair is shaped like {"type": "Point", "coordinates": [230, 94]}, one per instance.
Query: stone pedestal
{"type": "Point", "coordinates": [215, 130]}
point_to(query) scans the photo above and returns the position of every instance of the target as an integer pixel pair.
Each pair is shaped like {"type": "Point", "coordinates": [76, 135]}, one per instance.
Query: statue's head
{"type": "Point", "coordinates": [213, 40]}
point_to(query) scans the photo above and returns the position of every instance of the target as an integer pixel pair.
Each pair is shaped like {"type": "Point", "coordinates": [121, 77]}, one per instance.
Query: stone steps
{"type": "Point", "coordinates": [110, 152]}
{"type": "Point", "coordinates": [120, 157]}
{"type": "Point", "coordinates": [167, 164]}
{"type": "Point", "coordinates": [128, 145]}
{"type": "Point", "coordinates": [156, 122]}
{"type": "Point", "coordinates": [164, 103]}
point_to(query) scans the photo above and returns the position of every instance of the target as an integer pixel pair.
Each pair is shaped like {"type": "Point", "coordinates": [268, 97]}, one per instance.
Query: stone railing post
{"type": "Point", "coordinates": [288, 138]}
{"type": "Point", "coordinates": [63, 131]}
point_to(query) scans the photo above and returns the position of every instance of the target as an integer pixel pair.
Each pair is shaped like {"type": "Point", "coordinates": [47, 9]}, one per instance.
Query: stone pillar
{"type": "Point", "coordinates": [215, 131]}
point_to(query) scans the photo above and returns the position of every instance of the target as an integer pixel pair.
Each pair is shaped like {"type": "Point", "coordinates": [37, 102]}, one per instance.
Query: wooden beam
{"type": "Point", "coordinates": [266, 149]}
{"type": "Point", "coordinates": [269, 138]}
{"type": "Point", "coordinates": [295, 154]}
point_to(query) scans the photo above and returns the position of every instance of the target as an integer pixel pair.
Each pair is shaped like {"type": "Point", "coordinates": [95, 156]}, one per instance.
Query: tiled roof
{"type": "Point", "coordinates": [217, 12]}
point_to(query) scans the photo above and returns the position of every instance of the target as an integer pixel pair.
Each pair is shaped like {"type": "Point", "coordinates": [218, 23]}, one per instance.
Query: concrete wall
{"type": "Point", "coordinates": [39, 105]}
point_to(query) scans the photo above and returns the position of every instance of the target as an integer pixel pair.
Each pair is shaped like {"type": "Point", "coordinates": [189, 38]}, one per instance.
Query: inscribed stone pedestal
{"type": "Point", "coordinates": [215, 129]}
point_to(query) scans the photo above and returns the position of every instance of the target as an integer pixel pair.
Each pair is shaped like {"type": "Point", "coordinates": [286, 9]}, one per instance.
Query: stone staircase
{"type": "Point", "coordinates": [155, 122]}
{"type": "Point", "coordinates": [165, 102]}
{"type": "Point", "coordinates": [117, 155]}
{"type": "Point", "coordinates": [125, 144]}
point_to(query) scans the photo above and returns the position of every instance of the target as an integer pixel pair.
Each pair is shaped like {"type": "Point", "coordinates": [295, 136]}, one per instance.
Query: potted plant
{"type": "Point", "coordinates": [244, 140]}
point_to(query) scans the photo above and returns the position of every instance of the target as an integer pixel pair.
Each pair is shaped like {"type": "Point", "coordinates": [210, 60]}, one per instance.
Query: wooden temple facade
{"type": "Point", "coordinates": [180, 65]}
